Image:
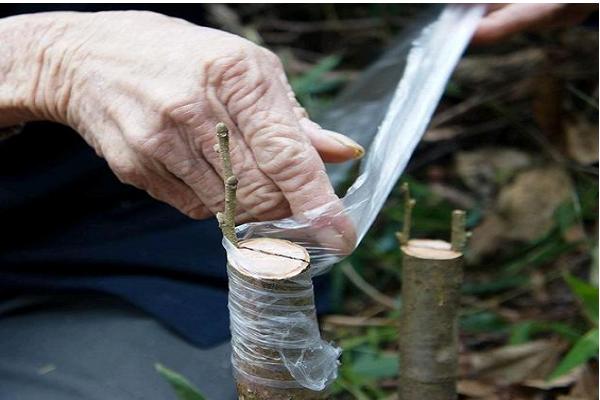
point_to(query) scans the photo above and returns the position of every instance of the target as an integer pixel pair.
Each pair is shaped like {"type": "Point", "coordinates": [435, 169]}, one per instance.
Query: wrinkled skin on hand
{"type": "Point", "coordinates": [146, 91]}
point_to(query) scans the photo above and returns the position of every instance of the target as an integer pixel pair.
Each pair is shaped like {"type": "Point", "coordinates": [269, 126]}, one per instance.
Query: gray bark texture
{"type": "Point", "coordinates": [429, 325]}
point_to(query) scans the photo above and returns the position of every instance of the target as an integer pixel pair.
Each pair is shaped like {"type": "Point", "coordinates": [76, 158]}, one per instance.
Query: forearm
{"type": "Point", "coordinates": [33, 82]}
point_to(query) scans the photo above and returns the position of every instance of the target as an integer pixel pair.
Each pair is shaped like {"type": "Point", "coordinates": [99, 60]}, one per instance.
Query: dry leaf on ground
{"type": "Point", "coordinates": [527, 205]}
{"type": "Point", "coordinates": [524, 210]}
{"type": "Point", "coordinates": [483, 169]}
{"type": "Point", "coordinates": [512, 364]}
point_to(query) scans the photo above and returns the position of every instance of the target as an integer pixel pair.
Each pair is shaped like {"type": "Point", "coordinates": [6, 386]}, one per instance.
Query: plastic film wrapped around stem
{"type": "Point", "coordinates": [274, 331]}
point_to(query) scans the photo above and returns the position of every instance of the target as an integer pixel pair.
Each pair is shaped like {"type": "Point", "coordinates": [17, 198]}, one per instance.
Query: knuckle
{"type": "Point", "coordinates": [282, 156]}
{"type": "Point", "coordinates": [266, 127]}
{"type": "Point", "coordinates": [199, 178]}
{"type": "Point", "coordinates": [272, 205]}
{"type": "Point", "coordinates": [296, 181]}
{"type": "Point", "coordinates": [126, 171]}
{"type": "Point", "coordinates": [199, 212]}
{"type": "Point", "coordinates": [259, 191]}
{"type": "Point", "coordinates": [239, 80]}
{"type": "Point", "coordinates": [141, 142]}
{"type": "Point", "coordinates": [187, 168]}
{"type": "Point", "coordinates": [181, 200]}
{"type": "Point", "coordinates": [263, 200]}
{"type": "Point", "coordinates": [150, 144]}
{"type": "Point", "coordinates": [241, 94]}
{"type": "Point", "coordinates": [271, 57]}
{"type": "Point", "coordinates": [215, 203]}
{"type": "Point", "coordinates": [298, 109]}
{"type": "Point", "coordinates": [246, 93]}
{"type": "Point", "coordinates": [155, 192]}
{"type": "Point", "coordinates": [184, 112]}
{"type": "Point", "coordinates": [194, 209]}
{"type": "Point", "coordinates": [227, 68]}
{"type": "Point", "coordinates": [294, 168]}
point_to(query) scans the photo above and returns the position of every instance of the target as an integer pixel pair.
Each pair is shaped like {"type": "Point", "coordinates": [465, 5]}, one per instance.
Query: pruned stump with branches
{"type": "Point", "coordinates": [432, 273]}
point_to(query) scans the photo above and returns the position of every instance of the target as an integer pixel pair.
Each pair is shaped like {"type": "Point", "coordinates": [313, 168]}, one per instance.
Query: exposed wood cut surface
{"type": "Point", "coordinates": [430, 249]}
{"type": "Point", "coordinates": [274, 259]}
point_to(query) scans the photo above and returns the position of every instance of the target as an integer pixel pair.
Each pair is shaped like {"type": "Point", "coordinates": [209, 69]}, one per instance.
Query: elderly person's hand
{"type": "Point", "coordinates": [146, 91]}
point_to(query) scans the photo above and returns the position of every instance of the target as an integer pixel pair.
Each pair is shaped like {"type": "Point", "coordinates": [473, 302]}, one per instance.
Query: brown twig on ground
{"type": "Point", "coordinates": [359, 322]}
{"type": "Point", "coordinates": [366, 287]}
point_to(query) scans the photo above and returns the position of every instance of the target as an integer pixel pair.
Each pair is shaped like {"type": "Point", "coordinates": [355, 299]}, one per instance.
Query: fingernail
{"type": "Point", "coordinates": [358, 150]}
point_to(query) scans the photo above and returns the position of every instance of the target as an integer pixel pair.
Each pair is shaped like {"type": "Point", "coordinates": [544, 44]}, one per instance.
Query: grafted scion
{"type": "Point", "coordinates": [227, 217]}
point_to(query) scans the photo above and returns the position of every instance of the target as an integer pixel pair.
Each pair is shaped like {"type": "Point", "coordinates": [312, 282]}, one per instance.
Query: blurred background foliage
{"type": "Point", "coordinates": [515, 143]}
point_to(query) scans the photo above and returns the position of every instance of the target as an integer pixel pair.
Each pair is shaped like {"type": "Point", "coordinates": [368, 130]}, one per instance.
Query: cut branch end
{"type": "Point", "coordinates": [222, 129]}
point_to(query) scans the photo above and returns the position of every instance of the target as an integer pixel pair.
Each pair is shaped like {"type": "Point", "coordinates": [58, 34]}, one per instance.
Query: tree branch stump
{"type": "Point", "coordinates": [273, 318]}
{"type": "Point", "coordinates": [432, 272]}
{"type": "Point", "coordinates": [431, 280]}
{"type": "Point", "coordinates": [277, 351]}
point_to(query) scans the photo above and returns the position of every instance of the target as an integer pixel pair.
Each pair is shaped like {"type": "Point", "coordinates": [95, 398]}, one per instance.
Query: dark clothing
{"type": "Point", "coordinates": [70, 225]}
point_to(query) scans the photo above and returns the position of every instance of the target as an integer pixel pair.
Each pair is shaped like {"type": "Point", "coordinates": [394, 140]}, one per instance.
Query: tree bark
{"type": "Point", "coordinates": [431, 280]}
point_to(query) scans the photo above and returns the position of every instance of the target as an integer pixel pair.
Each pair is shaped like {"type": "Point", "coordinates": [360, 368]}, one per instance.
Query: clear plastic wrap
{"type": "Point", "coordinates": [332, 231]}
{"type": "Point", "coordinates": [274, 327]}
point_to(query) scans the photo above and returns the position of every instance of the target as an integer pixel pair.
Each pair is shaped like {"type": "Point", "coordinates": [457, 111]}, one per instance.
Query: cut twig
{"type": "Point", "coordinates": [459, 233]}
{"type": "Point", "coordinates": [409, 204]}
{"type": "Point", "coordinates": [227, 217]}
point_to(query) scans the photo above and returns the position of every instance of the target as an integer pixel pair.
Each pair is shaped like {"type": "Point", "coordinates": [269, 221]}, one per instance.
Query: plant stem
{"type": "Point", "coordinates": [409, 204]}
{"type": "Point", "coordinates": [459, 234]}
{"type": "Point", "coordinates": [227, 217]}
